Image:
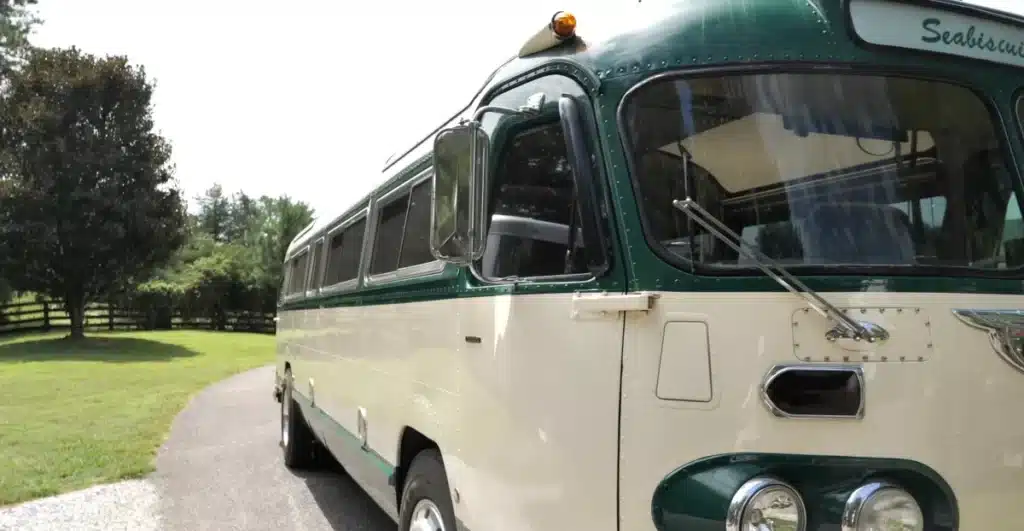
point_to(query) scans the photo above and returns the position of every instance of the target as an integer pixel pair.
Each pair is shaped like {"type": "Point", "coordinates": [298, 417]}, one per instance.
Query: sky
{"type": "Point", "coordinates": [305, 97]}
{"type": "Point", "coordinates": [307, 100]}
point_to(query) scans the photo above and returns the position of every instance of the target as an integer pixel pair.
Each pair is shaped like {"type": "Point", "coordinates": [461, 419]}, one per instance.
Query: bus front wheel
{"type": "Point", "coordinates": [426, 502]}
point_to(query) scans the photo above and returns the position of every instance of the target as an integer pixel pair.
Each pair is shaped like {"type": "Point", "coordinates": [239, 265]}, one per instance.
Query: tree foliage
{"type": "Point", "coordinates": [88, 204]}
{"type": "Point", "coordinates": [234, 256]}
{"type": "Point", "coordinates": [16, 22]}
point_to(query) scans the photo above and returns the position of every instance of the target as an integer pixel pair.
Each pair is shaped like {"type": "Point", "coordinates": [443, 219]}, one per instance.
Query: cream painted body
{"type": "Point", "coordinates": [528, 418]}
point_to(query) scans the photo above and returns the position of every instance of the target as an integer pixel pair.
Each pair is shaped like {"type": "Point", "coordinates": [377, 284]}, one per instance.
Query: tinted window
{"type": "Point", "coordinates": [529, 231]}
{"type": "Point", "coordinates": [416, 244]}
{"type": "Point", "coordinates": [387, 242]}
{"type": "Point", "coordinates": [344, 255]}
{"type": "Point", "coordinates": [823, 169]}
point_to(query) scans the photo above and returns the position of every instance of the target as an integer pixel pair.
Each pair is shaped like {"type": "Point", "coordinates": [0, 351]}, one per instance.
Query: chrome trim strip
{"type": "Point", "coordinates": [778, 370]}
{"type": "Point", "coordinates": [1005, 331]}
{"type": "Point", "coordinates": [408, 272]}
{"type": "Point", "coordinates": [747, 491]}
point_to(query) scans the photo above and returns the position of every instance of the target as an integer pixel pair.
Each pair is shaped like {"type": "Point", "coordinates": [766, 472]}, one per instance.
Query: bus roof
{"type": "Point", "coordinates": [622, 41]}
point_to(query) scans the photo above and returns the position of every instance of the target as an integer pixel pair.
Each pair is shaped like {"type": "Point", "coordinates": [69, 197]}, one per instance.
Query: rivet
{"type": "Point", "coordinates": [865, 358]}
{"type": "Point", "coordinates": [846, 358]}
{"type": "Point", "coordinates": [808, 358]}
{"type": "Point", "coordinates": [920, 358]}
{"type": "Point", "coordinates": [827, 358]}
{"type": "Point", "coordinates": [885, 358]}
{"type": "Point", "coordinates": [903, 358]}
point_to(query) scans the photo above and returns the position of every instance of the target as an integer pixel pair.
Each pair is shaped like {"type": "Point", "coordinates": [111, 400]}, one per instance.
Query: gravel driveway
{"type": "Point", "coordinates": [220, 470]}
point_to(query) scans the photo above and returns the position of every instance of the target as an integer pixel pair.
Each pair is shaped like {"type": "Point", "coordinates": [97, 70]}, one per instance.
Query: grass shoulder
{"type": "Point", "coordinates": [79, 413]}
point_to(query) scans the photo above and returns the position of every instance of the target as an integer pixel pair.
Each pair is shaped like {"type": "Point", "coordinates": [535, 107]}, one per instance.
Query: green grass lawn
{"type": "Point", "coordinates": [76, 414]}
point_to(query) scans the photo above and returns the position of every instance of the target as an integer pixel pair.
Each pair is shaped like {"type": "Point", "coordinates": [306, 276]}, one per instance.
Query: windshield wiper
{"type": "Point", "coordinates": [846, 327]}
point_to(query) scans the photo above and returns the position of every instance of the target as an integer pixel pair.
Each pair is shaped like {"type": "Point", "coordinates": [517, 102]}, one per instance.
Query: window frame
{"type": "Point", "coordinates": [592, 144]}
{"type": "Point", "coordinates": [353, 283]}
{"type": "Point", "coordinates": [417, 271]}
{"type": "Point", "coordinates": [995, 115]}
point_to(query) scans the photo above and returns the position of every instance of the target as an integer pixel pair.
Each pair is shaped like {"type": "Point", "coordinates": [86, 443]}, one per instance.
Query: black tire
{"type": "Point", "coordinates": [426, 480]}
{"type": "Point", "coordinates": [298, 444]}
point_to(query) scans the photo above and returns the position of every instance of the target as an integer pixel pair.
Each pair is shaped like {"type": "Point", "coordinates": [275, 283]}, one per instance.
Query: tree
{"type": "Point", "coordinates": [234, 265]}
{"type": "Point", "coordinates": [284, 219]}
{"type": "Point", "coordinates": [16, 22]}
{"type": "Point", "coordinates": [214, 213]}
{"type": "Point", "coordinates": [89, 203]}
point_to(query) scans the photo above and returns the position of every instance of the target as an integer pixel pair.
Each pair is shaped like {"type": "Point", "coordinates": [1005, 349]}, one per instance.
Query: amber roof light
{"type": "Point", "coordinates": [563, 24]}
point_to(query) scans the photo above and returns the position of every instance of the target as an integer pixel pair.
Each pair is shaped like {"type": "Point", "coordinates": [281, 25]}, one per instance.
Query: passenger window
{"type": "Point", "coordinates": [345, 253]}
{"type": "Point", "coordinates": [535, 205]}
{"type": "Point", "coordinates": [298, 275]}
{"type": "Point", "coordinates": [316, 277]}
{"type": "Point", "coordinates": [387, 242]}
{"type": "Point", "coordinates": [286, 282]}
{"type": "Point", "coordinates": [416, 243]}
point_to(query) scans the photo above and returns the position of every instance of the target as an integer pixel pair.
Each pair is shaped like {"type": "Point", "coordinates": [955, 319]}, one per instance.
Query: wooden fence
{"type": "Point", "coordinates": [50, 315]}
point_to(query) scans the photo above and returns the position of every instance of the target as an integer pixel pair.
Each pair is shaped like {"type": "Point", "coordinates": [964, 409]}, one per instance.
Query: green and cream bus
{"type": "Point", "coordinates": [738, 265]}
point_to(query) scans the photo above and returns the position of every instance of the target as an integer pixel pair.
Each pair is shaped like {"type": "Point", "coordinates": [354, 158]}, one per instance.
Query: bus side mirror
{"type": "Point", "coordinates": [458, 217]}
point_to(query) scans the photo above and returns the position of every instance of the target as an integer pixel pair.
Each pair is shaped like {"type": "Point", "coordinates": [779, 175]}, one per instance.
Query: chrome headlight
{"type": "Point", "coordinates": [881, 506]}
{"type": "Point", "coordinates": [766, 503]}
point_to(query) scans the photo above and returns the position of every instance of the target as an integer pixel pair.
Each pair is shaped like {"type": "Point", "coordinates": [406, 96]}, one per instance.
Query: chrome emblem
{"type": "Point", "coordinates": [1005, 331]}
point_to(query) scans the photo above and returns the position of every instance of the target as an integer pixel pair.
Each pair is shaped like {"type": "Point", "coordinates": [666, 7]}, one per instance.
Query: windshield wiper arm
{"type": "Point", "coordinates": [846, 327]}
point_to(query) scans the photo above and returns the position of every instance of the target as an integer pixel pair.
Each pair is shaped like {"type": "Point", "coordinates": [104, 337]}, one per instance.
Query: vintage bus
{"type": "Point", "coordinates": [737, 265]}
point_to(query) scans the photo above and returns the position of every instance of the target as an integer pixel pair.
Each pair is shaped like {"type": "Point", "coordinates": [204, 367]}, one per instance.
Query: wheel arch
{"type": "Point", "coordinates": [411, 442]}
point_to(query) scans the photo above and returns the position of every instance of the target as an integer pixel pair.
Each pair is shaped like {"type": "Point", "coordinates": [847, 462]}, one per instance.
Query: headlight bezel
{"type": "Point", "coordinates": [749, 491]}
{"type": "Point", "coordinates": [859, 498]}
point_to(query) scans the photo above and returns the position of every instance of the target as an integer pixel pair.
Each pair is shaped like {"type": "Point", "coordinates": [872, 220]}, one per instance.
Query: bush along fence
{"type": "Point", "coordinates": [48, 315]}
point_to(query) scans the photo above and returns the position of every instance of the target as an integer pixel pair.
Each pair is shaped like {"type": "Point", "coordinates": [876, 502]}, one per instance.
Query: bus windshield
{"type": "Point", "coordinates": [824, 170]}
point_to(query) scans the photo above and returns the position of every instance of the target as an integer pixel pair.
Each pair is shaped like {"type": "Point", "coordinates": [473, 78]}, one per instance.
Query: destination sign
{"type": "Point", "coordinates": [917, 27]}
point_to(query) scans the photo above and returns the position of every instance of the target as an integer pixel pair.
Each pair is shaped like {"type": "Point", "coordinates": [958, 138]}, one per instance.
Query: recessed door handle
{"type": "Point", "coordinates": [473, 339]}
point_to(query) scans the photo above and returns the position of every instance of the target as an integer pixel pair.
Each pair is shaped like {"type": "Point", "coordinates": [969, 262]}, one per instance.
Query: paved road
{"type": "Point", "coordinates": [221, 470]}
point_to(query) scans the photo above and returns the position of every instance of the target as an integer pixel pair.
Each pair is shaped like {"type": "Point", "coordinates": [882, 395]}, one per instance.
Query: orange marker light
{"type": "Point", "coordinates": [563, 24]}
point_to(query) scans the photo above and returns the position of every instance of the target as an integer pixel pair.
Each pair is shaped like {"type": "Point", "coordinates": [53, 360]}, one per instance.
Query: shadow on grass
{"type": "Point", "coordinates": [344, 504]}
{"type": "Point", "coordinates": [105, 349]}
